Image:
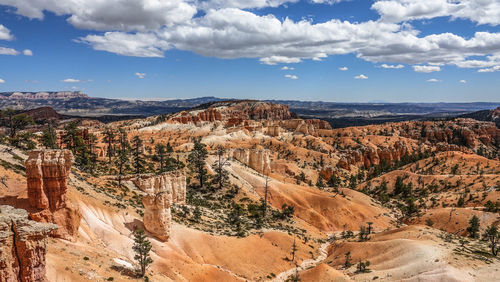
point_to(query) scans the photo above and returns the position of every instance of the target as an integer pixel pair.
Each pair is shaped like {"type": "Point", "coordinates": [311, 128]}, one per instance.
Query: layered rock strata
{"type": "Point", "coordinates": [162, 191]}
{"type": "Point", "coordinates": [258, 160]}
{"type": "Point", "coordinates": [23, 246]}
{"type": "Point", "coordinates": [47, 172]}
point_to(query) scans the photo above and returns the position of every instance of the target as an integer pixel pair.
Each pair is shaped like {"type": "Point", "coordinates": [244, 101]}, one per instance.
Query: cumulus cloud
{"type": "Point", "coordinates": [2, 81]}
{"type": "Point", "coordinates": [5, 33]}
{"type": "Point", "coordinates": [242, 4]}
{"type": "Point", "coordinates": [137, 45]}
{"type": "Point", "coordinates": [287, 68]}
{"type": "Point", "coordinates": [140, 75]}
{"type": "Point", "coordinates": [290, 76]}
{"type": "Point", "coordinates": [71, 80]}
{"type": "Point", "coordinates": [361, 76]}
{"type": "Point", "coordinates": [8, 51]}
{"type": "Point", "coordinates": [481, 12]}
{"type": "Point", "coordinates": [433, 80]}
{"type": "Point", "coordinates": [28, 52]}
{"type": "Point", "coordinates": [126, 15]}
{"type": "Point", "coordinates": [344, 68]}
{"type": "Point", "coordinates": [222, 29]}
{"type": "Point", "coordinates": [463, 81]}
{"type": "Point", "coordinates": [386, 66]}
{"type": "Point", "coordinates": [492, 69]}
{"type": "Point", "coordinates": [426, 69]}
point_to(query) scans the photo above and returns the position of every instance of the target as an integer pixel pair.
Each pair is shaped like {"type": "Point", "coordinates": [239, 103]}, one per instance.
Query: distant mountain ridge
{"type": "Point", "coordinates": [76, 103]}
{"type": "Point", "coordinates": [42, 95]}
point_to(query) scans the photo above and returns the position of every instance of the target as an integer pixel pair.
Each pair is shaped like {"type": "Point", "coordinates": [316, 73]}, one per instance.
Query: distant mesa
{"type": "Point", "coordinates": [42, 95]}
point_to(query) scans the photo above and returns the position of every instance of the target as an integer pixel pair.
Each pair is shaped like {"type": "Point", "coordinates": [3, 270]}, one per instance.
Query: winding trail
{"type": "Point", "coordinates": [305, 264]}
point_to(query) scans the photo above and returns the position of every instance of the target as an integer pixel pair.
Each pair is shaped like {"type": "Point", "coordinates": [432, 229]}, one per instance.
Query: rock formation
{"type": "Point", "coordinates": [274, 130]}
{"type": "Point", "coordinates": [255, 159]}
{"type": "Point", "coordinates": [23, 246]}
{"type": "Point", "coordinates": [162, 191]}
{"type": "Point", "coordinates": [47, 172]}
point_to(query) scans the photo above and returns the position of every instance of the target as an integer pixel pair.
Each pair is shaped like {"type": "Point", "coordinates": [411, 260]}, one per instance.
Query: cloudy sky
{"type": "Point", "coordinates": [330, 50]}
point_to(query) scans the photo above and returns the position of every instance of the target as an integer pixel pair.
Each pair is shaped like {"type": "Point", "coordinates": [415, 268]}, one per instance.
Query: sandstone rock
{"type": "Point", "coordinates": [274, 130]}
{"type": "Point", "coordinates": [47, 172]}
{"type": "Point", "coordinates": [162, 191]}
{"type": "Point", "coordinates": [157, 216]}
{"type": "Point", "coordinates": [256, 159]}
{"type": "Point", "coordinates": [23, 246]}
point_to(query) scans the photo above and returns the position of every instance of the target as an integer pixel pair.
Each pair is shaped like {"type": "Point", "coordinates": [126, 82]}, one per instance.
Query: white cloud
{"type": "Point", "coordinates": [274, 60]}
{"type": "Point", "coordinates": [343, 68]}
{"type": "Point", "coordinates": [2, 81]}
{"type": "Point", "coordinates": [71, 80]}
{"type": "Point", "coordinates": [140, 75]}
{"type": "Point", "coordinates": [492, 69]}
{"type": "Point", "coordinates": [28, 52]}
{"type": "Point", "coordinates": [287, 68]}
{"type": "Point", "coordinates": [463, 81]}
{"type": "Point", "coordinates": [433, 80]}
{"type": "Point", "coordinates": [8, 51]}
{"type": "Point", "coordinates": [126, 15]}
{"type": "Point", "coordinates": [5, 33]}
{"type": "Point", "coordinates": [479, 11]}
{"type": "Point", "coordinates": [137, 45]}
{"type": "Point", "coordinates": [242, 4]}
{"type": "Point", "coordinates": [385, 66]}
{"type": "Point", "coordinates": [361, 76]}
{"type": "Point", "coordinates": [290, 76]}
{"type": "Point", "coordinates": [148, 28]}
{"type": "Point", "coordinates": [426, 69]}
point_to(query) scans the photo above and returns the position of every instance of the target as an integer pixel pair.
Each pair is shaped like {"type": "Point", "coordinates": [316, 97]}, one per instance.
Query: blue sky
{"type": "Point", "coordinates": [432, 50]}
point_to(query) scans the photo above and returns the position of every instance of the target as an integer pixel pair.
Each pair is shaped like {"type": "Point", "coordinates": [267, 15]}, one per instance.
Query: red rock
{"type": "Point", "coordinates": [47, 172]}
{"type": "Point", "coordinates": [23, 246]}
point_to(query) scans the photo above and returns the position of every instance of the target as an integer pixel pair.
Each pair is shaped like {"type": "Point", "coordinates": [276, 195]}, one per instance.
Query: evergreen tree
{"type": "Point", "coordinates": [49, 138]}
{"type": "Point", "coordinates": [196, 160]}
{"type": "Point", "coordinates": [137, 154]}
{"type": "Point", "coordinates": [161, 156]}
{"type": "Point", "coordinates": [142, 247]}
{"type": "Point", "coordinates": [473, 228]}
{"type": "Point", "coordinates": [122, 154]}
{"type": "Point", "coordinates": [221, 174]}
{"type": "Point", "coordinates": [294, 249]}
{"type": "Point", "coordinates": [14, 122]}
{"type": "Point", "coordinates": [493, 236]}
{"type": "Point", "coordinates": [109, 139]}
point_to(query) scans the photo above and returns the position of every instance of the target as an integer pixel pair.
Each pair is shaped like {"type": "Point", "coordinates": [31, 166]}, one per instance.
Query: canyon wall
{"type": "Point", "coordinates": [23, 246]}
{"type": "Point", "coordinates": [47, 172]}
{"type": "Point", "coordinates": [258, 160]}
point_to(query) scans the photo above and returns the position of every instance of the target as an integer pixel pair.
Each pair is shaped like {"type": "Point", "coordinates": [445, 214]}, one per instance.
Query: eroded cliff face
{"type": "Point", "coordinates": [162, 191]}
{"type": "Point", "coordinates": [258, 160]}
{"type": "Point", "coordinates": [23, 246]}
{"type": "Point", "coordinates": [235, 113]}
{"type": "Point", "coordinates": [47, 172]}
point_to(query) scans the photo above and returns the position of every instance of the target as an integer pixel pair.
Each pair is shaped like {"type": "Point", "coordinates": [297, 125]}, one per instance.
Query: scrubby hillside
{"type": "Point", "coordinates": [269, 196]}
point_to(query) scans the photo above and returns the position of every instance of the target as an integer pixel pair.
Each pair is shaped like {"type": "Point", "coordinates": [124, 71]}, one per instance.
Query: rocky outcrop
{"type": "Point", "coordinates": [373, 156]}
{"type": "Point", "coordinates": [162, 191]}
{"type": "Point", "coordinates": [307, 127]}
{"type": "Point", "coordinates": [274, 130]}
{"type": "Point", "coordinates": [258, 160]}
{"type": "Point", "coordinates": [157, 215]}
{"type": "Point", "coordinates": [47, 172]}
{"type": "Point", "coordinates": [23, 246]}
{"type": "Point", "coordinates": [234, 113]}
